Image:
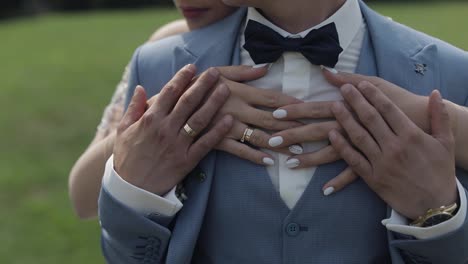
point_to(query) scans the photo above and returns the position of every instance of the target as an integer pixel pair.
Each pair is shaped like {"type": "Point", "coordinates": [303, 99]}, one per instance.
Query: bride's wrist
{"type": "Point", "coordinates": [455, 115]}
{"type": "Point", "coordinates": [416, 108]}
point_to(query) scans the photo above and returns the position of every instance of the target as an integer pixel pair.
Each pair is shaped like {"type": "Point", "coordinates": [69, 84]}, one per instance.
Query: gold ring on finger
{"type": "Point", "coordinates": [247, 134]}
{"type": "Point", "coordinates": [190, 131]}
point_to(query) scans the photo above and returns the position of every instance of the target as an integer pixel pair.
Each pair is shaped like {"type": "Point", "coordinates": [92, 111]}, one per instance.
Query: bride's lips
{"type": "Point", "coordinates": [192, 12]}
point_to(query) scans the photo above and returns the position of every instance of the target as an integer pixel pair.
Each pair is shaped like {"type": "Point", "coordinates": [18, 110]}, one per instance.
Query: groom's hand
{"type": "Point", "coordinates": [158, 144]}
{"type": "Point", "coordinates": [410, 170]}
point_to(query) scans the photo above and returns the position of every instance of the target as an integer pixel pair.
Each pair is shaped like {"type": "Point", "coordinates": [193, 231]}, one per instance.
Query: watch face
{"type": "Point", "coordinates": [436, 219]}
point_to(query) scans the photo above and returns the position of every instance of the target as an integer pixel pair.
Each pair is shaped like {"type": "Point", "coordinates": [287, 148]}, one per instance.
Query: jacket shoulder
{"type": "Point", "coordinates": [452, 61]}
{"type": "Point", "coordinates": [155, 62]}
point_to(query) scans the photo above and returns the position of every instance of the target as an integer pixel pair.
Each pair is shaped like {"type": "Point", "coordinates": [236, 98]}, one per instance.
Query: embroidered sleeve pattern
{"type": "Point", "coordinates": [115, 109]}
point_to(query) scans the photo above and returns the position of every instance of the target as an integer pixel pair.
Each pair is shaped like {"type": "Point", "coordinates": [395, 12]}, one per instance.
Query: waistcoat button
{"type": "Point", "coordinates": [292, 229]}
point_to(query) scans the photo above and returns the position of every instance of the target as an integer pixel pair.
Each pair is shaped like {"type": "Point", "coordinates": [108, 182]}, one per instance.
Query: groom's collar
{"type": "Point", "coordinates": [348, 20]}
{"type": "Point", "coordinates": [225, 32]}
{"type": "Point", "coordinates": [395, 46]}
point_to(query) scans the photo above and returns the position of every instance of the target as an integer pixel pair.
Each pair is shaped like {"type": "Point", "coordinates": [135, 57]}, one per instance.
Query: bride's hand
{"type": "Point", "coordinates": [245, 104]}
{"type": "Point", "coordinates": [414, 106]}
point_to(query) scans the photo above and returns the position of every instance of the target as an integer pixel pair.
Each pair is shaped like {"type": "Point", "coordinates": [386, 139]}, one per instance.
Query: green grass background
{"type": "Point", "coordinates": [57, 73]}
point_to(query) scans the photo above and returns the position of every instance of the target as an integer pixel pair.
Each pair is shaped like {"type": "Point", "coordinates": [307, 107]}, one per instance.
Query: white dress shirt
{"type": "Point", "coordinates": [294, 75]}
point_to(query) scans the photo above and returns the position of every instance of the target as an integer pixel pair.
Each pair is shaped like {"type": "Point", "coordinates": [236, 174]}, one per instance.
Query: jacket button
{"type": "Point", "coordinates": [292, 229]}
{"type": "Point", "coordinates": [201, 176]}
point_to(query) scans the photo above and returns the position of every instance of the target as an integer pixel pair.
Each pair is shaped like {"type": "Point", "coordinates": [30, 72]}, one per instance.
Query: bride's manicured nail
{"type": "Point", "coordinates": [332, 70]}
{"type": "Point", "coordinates": [280, 113]}
{"type": "Point", "coordinates": [268, 161]}
{"type": "Point", "coordinates": [296, 149]}
{"type": "Point", "coordinates": [275, 141]}
{"type": "Point", "coordinates": [328, 191]}
{"type": "Point", "coordinates": [292, 163]}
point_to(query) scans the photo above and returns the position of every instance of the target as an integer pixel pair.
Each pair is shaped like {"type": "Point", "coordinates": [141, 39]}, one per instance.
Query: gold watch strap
{"type": "Point", "coordinates": [449, 209]}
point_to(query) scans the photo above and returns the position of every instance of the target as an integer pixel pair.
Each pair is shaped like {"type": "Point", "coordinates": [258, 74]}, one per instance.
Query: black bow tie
{"type": "Point", "coordinates": [321, 46]}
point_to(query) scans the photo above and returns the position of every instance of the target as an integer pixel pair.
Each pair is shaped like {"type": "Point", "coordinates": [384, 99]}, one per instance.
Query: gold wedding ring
{"type": "Point", "coordinates": [190, 131]}
{"type": "Point", "coordinates": [247, 134]}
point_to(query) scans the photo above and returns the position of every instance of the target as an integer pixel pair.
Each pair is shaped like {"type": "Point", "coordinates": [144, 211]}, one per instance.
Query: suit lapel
{"type": "Point", "coordinates": [367, 64]}
{"type": "Point", "coordinates": [219, 49]}
{"type": "Point", "coordinates": [401, 58]}
{"type": "Point", "coordinates": [189, 219]}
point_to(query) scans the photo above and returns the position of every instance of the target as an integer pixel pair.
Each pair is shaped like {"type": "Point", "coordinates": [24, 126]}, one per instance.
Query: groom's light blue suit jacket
{"type": "Point", "coordinates": [390, 51]}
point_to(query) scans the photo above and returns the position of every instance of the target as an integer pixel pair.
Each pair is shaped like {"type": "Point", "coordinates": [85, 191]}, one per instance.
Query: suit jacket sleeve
{"type": "Point", "coordinates": [126, 235]}
{"type": "Point", "coordinates": [448, 248]}
{"type": "Point", "coordinates": [451, 247]}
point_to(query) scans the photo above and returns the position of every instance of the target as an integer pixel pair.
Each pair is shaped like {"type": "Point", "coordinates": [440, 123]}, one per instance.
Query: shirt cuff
{"type": "Point", "coordinates": [136, 198]}
{"type": "Point", "coordinates": [398, 223]}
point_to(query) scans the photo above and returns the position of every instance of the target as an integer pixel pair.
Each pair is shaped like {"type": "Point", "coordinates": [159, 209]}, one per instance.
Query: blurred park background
{"type": "Point", "coordinates": [59, 63]}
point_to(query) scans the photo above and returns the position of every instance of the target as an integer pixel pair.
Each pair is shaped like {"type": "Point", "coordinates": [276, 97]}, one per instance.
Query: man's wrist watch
{"type": "Point", "coordinates": [436, 216]}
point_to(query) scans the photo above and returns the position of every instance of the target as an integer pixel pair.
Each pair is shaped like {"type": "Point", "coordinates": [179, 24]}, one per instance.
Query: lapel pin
{"type": "Point", "coordinates": [420, 68]}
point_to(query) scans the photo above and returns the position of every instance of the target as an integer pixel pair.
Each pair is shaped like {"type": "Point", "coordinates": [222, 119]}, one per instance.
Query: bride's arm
{"type": "Point", "coordinates": [460, 132]}
{"type": "Point", "coordinates": [416, 108]}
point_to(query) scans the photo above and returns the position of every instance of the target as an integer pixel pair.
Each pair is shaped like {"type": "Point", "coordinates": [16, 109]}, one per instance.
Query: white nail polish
{"type": "Point", "coordinates": [256, 66]}
{"type": "Point", "coordinates": [292, 163]}
{"type": "Point", "coordinates": [328, 191]}
{"type": "Point", "coordinates": [332, 70]}
{"type": "Point", "coordinates": [296, 149]}
{"type": "Point", "coordinates": [268, 161]}
{"type": "Point", "coordinates": [275, 141]}
{"type": "Point", "coordinates": [280, 113]}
